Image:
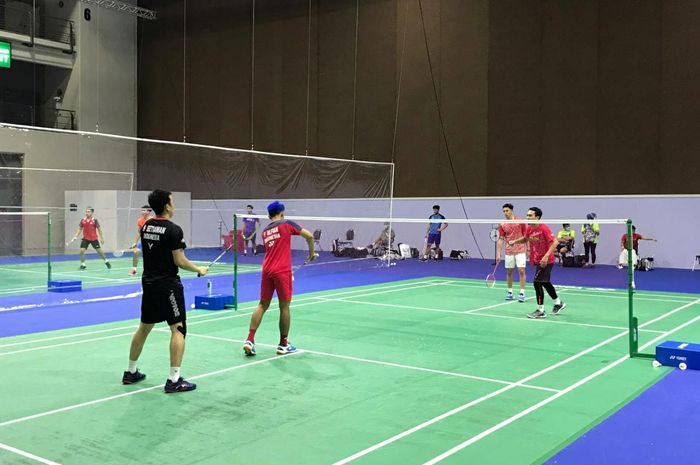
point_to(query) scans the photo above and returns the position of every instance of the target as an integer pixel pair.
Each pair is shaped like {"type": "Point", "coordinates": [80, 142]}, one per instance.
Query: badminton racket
{"type": "Point", "coordinates": [219, 257]}
{"type": "Point", "coordinates": [299, 267]}
{"type": "Point", "coordinates": [491, 278]}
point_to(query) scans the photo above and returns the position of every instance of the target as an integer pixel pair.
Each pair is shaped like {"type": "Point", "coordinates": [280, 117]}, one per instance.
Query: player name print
{"type": "Point", "coordinates": [152, 232]}
{"type": "Point", "coordinates": [271, 235]}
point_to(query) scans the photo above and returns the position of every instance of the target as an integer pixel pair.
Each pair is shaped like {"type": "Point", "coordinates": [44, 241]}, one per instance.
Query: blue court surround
{"type": "Point", "coordinates": [60, 311]}
{"type": "Point", "coordinates": [659, 427]}
{"type": "Point", "coordinates": [664, 417]}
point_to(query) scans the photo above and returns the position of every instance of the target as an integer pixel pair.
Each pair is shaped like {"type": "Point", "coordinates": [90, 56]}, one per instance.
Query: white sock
{"type": "Point", "coordinates": [174, 374]}
{"type": "Point", "coordinates": [540, 308]}
{"type": "Point", "coordinates": [510, 290]}
{"type": "Point", "coordinates": [557, 301]}
{"type": "Point", "coordinates": [522, 291]}
{"type": "Point", "coordinates": [132, 366]}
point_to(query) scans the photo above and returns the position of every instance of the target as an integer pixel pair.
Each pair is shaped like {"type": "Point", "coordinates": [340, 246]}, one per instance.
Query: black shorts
{"type": "Point", "coordinates": [85, 243]}
{"type": "Point", "coordinates": [162, 302]}
{"type": "Point", "coordinates": [562, 245]}
{"type": "Point", "coordinates": [543, 275]}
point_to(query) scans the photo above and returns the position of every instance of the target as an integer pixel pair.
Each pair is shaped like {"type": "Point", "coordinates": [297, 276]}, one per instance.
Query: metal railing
{"type": "Point", "coordinates": [26, 22]}
{"type": "Point", "coordinates": [19, 113]}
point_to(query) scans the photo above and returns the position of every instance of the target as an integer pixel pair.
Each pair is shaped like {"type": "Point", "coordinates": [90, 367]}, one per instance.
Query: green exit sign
{"type": "Point", "coordinates": [5, 55]}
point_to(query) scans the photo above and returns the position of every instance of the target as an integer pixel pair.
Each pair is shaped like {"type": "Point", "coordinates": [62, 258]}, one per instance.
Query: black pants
{"type": "Point", "coordinates": [589, 250]}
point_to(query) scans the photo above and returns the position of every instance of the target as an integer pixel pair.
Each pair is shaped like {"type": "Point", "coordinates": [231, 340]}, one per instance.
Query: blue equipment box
{"type": "Point", "coordinates": [679, 354]}
{"type": "Point", "coordinates": [212, 301]}
{"type": "Point", "coordinates": [64, 285]}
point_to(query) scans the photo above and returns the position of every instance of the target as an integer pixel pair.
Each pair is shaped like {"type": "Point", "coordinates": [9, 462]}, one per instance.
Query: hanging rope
{"type": "Point", "coordinates": [252, 80]}
{"type": "Point", "coordinates": [184, 72]}
{"type": "Point", "coordinates": [308, 82]}
{"type": "Point", "coordinates": [442, 126]}
{"type": "Point", "coordinates": [354, 80]}
{"type": "Point", "coordinates": [398, 92]}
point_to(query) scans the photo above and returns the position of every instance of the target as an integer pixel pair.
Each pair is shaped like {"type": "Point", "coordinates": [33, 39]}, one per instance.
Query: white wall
{"type": "Point", "coordinates": [670, 219]}
{"type": "Point", "coordinates": [66, 154]}
{"type": "Point", "coordinates": [117, 220]}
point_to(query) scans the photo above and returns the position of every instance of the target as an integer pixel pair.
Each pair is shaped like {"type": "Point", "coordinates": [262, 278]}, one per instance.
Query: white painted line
{"type": "Point", "coordinates": [594, 292]}
{"type": "Point", "coordinates": [139, 391]}
{"type": "Point", "coordinates": [505, 389]}
{"type": "Point", "coordinates": [501, 304]}
{"type": "Point", "coordinates": [548, 400]}
{"type": "Point", "coordinates": [380, 362]}
{"type": "Point", "coordinates": [63, 344]}
{"type": "Point", "coordinates": [304, 301]}
{"type": "Point", "coordinates": [488, 315]}
{"type": "Point", "coordinates": [27, 455]}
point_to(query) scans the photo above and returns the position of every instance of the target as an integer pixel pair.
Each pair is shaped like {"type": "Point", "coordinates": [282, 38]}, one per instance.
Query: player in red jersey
{"type": "Point", "coordinates": [542, 245]}
{"type": "Point", "coordinates": [516, 255]}
{"type": "Point", "coordinates": [92, 236]}
{"type": "Point", "coordinates": [136, 246]}
{"type": "Point", "coordinates": [277, 275]}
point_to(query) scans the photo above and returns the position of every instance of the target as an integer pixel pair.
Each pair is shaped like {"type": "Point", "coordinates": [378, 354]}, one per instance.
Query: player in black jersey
{"type": "Point", "coordinates": [163, 297]}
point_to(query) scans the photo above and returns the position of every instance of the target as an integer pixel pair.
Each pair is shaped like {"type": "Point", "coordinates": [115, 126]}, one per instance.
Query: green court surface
{"type": "Point", "coordinates": [26, 278]}
{"type": "Point", "coordinates": [412, 372]}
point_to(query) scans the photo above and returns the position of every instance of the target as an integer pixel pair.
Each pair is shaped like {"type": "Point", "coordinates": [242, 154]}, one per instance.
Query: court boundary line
{"type": "Point", "coordinates": [138, 391]}
{"type": "Point", "coordinates": [552, 398]}
{"type": "Point", "coordinates": [601, 292]}
{"type": "Point", "coordinates": [27, 455]}
{"type": "Point", "coordinates": [380, 362]}
{"type": "Point", "coordinates": [470, 404]}
{"type": "Point", "coordinates": [214, 317]}
{"type": "Point", "coordinates": [490, 315]}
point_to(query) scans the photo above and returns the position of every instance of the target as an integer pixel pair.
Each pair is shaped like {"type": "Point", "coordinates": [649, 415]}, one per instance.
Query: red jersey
{"type": "Point", "coordinates": [541, 239]}
{"type": "Point", "coordinates": [512, 232]}
{"type": "Point", "coordinates": [635, 240]}
{"type": "Point", "coordinates": [141, 221]}
{"type": "Point", "coordinates": [278, 246]}
{"type": "Point", "coordinates": [89, 228]}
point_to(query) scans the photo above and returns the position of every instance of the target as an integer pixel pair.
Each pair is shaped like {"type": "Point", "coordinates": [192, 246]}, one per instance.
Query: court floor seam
{"type": "Point", "coordinates": [467, 405]}
{"type": "Point", "coordinates": [311, 300]}
{"type": "Point", "coordinates": [563, 392]}
{"type": "Point", "coordinates": [381, 362]}
{"type": "Point", "coordinates": [138, 391]}
{"type": "Point", "coordinates": [489, 315]}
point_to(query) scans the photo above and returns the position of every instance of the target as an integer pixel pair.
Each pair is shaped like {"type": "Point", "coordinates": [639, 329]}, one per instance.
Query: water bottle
{"type": "Point", "coordinates": [209, 287]}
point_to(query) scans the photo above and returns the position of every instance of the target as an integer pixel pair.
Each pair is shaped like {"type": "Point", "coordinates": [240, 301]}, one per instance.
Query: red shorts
{"type": "Point", "coordinates": [280, 282]}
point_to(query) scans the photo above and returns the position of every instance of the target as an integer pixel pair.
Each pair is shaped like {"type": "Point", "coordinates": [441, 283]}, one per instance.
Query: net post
{"type": "Point", "coordinates": [633, 330]}
{"type": "Point", "coordinates": [235, 262]}
{"type": "Point", "coordinates": [48, 235]}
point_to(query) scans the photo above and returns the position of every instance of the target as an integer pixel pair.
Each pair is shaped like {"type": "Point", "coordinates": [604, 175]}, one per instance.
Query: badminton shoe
{"type": "Point", "coordinates": [83, 266]}
{"type": "Point", "coordinates": [108, 265]}
{"type": "Point", "coordinates": [249, 348]}
{"type": "Point", "coordinates": [180, 386]}
{"type": "Point", "coordinates": [509, 296]}
{"type": "Point", "coordinates": [537, 314]}
{"type": "Point", "coordinates": [558, 308]}
{"type": "Point", "coordinates": [521, 298]}
{"type": "Point", "coordinates": [132, 378]}
{"type": "Point", "coordinates": [284, 350]}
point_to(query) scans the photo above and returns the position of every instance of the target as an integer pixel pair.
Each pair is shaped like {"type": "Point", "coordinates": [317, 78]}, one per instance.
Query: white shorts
{"type": "Point", "coordinates": [519, 260]}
